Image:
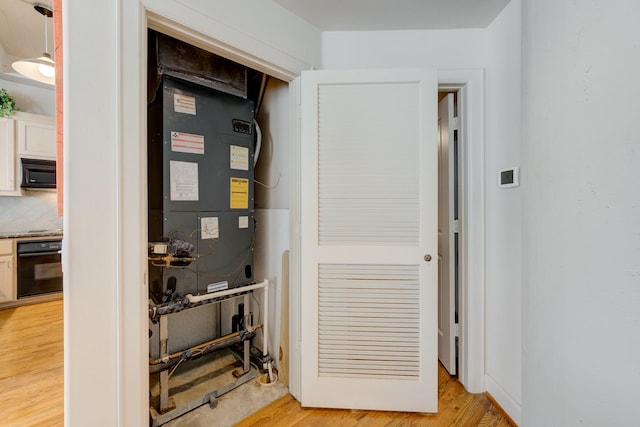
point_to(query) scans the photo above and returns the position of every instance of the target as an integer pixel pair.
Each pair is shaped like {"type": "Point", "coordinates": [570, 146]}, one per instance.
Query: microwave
{"type": "Point", "coordinates": [38, 173]}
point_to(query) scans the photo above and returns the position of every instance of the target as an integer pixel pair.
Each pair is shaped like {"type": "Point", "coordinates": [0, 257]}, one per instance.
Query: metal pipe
{"type": "Point", "coordinates": [265, 332]}
{"type": "Point", "coordinates": [162, 364]}
{"type": "Point", "coordinates": [164, 376]}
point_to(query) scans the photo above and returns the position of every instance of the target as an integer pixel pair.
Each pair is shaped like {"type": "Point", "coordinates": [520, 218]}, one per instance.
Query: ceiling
{"type": "Point", "coordinates": [358, 15]}
{"type": "Point", "coordinates": [22, 31]}
{"type": "Point", "coordinates": [22, 28]}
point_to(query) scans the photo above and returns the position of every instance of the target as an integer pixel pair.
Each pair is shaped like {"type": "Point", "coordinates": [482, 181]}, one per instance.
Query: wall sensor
{"type": "Point", "coordinates": [509, 178]}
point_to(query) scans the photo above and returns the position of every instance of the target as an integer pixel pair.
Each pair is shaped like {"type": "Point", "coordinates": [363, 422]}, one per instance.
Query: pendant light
{"type": "Point", "coordinates": [41, 69]}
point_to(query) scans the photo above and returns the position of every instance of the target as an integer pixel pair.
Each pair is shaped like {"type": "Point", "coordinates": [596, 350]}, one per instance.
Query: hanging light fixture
{"type": "Point", "coordinates": [41, 69]}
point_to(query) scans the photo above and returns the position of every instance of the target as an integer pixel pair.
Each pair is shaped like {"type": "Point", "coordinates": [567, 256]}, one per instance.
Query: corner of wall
{"type": "Point", "coordinates": [504, 399]}
{"type": "Point", "coordinates": [503, 293]}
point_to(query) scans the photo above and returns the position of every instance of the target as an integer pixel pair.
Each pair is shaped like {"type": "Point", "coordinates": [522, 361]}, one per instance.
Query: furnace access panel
{"type": "Point", "coordinates": [201, 200]}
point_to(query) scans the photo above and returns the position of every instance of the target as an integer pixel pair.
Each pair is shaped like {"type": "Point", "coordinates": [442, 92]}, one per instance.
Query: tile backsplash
{"type": "Point", "coordinates": [36, 210]}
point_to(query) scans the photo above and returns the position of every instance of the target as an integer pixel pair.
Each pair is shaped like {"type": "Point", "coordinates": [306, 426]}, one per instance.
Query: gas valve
{"type": "Point", "coordinates": [174, 253]}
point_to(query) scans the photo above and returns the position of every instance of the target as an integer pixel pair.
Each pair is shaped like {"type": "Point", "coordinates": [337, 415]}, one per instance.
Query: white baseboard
{"type": "Point", "coordinates": [508, 404]}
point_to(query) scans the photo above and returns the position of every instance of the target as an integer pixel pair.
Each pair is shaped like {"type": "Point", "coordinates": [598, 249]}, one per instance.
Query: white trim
{"type": "Point", "coordinates": [508, 403]}
{"type": "Point", "coordinates": [295, 334]}
{"type": "Point", "coordinates": [131, 187]}
{"type": "Point", "coordinates": [469, 83]}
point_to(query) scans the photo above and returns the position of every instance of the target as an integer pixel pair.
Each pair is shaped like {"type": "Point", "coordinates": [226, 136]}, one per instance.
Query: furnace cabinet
{"type": "Point", "coordinates": [201, 188]}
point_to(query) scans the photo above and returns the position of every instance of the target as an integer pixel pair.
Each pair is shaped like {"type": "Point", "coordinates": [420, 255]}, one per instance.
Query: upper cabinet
{"type": "Point", "coordinates": [8, 169]}
{"type": "Point", "coordinates": [35, 136]}
{"type": "Point", "coordinates": [23, 135]}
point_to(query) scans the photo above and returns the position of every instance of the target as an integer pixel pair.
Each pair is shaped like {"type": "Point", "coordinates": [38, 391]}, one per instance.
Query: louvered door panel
{"type": "Point", "coordinates": [368, 217]}
{"type": "Point", "coordinates": [369, 321]}
{"type": "Point", "coordinates": [367, 164]}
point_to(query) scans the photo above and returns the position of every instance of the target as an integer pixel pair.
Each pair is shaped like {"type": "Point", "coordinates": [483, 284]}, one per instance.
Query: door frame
{"type": "Point", "coordinates": [469, 85]}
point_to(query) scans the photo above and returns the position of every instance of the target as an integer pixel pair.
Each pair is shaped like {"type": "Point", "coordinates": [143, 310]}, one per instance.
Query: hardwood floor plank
{"type": "Point", "coordinates": [31, 365]}
{"type": "Point", "coordinates": [31, 386]}
{"type": "Point", "coordinates": [456, 407]}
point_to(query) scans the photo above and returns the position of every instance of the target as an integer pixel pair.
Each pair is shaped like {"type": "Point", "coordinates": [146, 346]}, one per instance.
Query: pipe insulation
{"type": "Point", "coordinates": [196, 299]}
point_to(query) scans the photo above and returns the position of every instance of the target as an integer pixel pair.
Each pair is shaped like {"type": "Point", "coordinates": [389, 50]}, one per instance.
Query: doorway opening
{"type": "Point", "coordinates": [469, 85]}
{"type": "Point", "coordinates": [449, 230]}
{"type": "Point", "coordinates": [230, 120]}
{"type": "Point", "coordinates": [464, 319]}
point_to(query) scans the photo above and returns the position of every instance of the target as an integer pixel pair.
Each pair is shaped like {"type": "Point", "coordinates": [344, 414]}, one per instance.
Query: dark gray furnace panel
{"type": "Point", "coordinates": [201, 190]}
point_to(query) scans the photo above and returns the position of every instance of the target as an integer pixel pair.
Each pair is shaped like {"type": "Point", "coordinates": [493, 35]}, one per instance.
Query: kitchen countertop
{"type": "Point", "coordinates": [32, 233]}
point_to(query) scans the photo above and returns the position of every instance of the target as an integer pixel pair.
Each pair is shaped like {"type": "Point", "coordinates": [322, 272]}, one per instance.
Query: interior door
{"type": "Point", "coordinates": [446, 237]}
{"type": "Point", "coordinates": [369, 240]}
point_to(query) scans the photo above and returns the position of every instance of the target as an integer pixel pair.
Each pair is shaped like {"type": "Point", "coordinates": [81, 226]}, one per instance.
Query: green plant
{"type": "Point", "coordinates": [7, 103]}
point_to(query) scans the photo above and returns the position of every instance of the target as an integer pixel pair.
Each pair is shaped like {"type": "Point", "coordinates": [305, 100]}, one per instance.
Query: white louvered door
{"type": "Point", "coordinates": [368, 220]}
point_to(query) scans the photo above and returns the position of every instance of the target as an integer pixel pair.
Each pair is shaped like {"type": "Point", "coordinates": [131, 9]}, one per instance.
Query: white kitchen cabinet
{"type": "Point", "coordinates": [35, 136]}
{"type": "Point", "coordinates": [8, 159]}
{"type": "Point", "coordinates": [7, 284]}
{"type": "Point", "coordinates": [23, 135]}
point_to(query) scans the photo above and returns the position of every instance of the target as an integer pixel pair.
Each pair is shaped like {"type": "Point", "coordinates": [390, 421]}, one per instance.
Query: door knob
{"type": "Point", "coordinates": [427, 257]}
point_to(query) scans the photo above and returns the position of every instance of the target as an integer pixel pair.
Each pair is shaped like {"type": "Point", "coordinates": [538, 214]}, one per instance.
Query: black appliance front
{"type": "Point", "coordinates": [201, 201]}
{"type": "Point", "coordinates": [38, 173]}
{"type": "Point", "coordinates": [39, 268]}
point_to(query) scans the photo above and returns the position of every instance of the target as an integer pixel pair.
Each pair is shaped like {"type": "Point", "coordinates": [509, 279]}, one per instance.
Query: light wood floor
{"type": "Point", "coordinates": [31, 385]}
{"type": "Point", "coordinates": [31, 365]}
{"type": "Point", "coordinates": [456, 407]}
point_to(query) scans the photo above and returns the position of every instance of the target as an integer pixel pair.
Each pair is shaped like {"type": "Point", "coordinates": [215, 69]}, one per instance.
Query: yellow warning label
{"type": "Point", "coordinates": [239, 193]}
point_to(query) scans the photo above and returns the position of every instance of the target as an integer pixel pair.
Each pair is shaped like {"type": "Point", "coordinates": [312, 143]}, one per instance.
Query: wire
{"type": "Point", "coordinates": [256, 153]}
{"type": "Point", "coordinates": [253, 296]}
{"type": "Point", "coordinates": [175, 367]}
{"type": "Point", "coordinates": [269, 186]}
{"type": "Point", "coordinates": [234, 273]}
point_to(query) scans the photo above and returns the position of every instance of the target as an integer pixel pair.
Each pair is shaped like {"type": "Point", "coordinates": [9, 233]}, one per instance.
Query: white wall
{"type": "Point", "coordinates": [274, 162]}
{"type": "Point", "coordinates": [272, 204]}
{"type": "Point", "coordinates": [581, 207]}
{"type": "Point", "coordinates": [30, 98]}
{"type": "Point", "coordinates": [497, 50]}
{"type": "Point", "coordinates": [6, 60]}
{"type": "Point", "coordinates": [393, 49]}
{"type": "Point", "coordinates": [503, 329]}
{"type": "Point", "coordinates": [105, 180]}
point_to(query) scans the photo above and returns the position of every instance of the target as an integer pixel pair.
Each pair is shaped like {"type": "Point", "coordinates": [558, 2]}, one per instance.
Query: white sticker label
{"type": "Point", "coordinates": [209, 228]}
{"type": "Point", "coordinates": [218, 286]}
{"type": "Point", "coordinates": [243, 222]}
{"type": "Point", "coordinates": [184, 104]}
{"type": "Point", "coordinates": [239, 158]}
{"type": "Point", "coordinates": [183, 177]}
{"type": "Point", "coordinates": [182, 142]}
